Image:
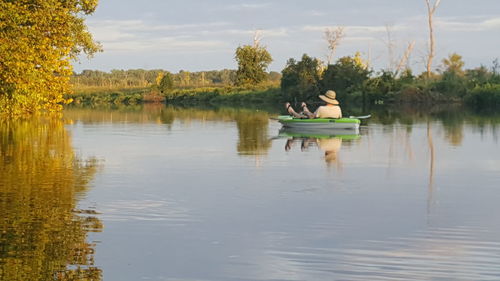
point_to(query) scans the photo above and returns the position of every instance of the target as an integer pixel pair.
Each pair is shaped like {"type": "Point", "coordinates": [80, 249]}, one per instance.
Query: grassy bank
{"type": "Point", "coordinates": [226, 95]}
{"type": "Point", "coordinates": [263, 95]}
{"type": "Point", "coordinates": [106, 95]}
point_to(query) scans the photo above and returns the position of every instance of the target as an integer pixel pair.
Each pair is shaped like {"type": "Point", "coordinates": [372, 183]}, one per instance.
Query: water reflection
{"type": "Point", "coordinates": [329, 141]}
{"type": "Point", "coordinates": [414, 200]}
{"type": "Point", "coordinates": [252, 125]}
{"type": "Point", "coordinates": [43, 234]}
{"type": "Point", "coordinates": [252, 131]}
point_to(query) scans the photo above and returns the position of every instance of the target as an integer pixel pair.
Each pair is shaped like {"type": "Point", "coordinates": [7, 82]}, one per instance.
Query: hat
{"type": "Point", "coordinates": [329, 97]}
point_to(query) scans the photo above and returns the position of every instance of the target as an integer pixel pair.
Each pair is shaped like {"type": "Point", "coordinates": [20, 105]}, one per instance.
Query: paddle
{"type": "Point", "coordinates": [361, 117]}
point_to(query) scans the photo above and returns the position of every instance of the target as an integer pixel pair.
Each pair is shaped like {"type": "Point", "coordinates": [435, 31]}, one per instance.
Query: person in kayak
{"type": "Point", "coordinates": [330, 110]}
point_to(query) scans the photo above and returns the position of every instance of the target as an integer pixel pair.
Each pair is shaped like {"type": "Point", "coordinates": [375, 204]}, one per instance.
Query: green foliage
{"type": "Point", "coordinates": [346, 76]}
{"type": "Point", "coordinates": [228, 95]}
{"type": "Point", "coordinates": [114, 96]}
{"type": "Point", "coordinates": [484, 96]}
{"type": "Point", "coordinates": [300, 81]}
{"type": "Point", "coordinates": [381, 88]}
{"type": "Point", "coordinates": [38, 38]}
{"type": "Point", "coordinates": [478, 77]}
{"type": "Point", "coordinates": [451, 84]}
{"type": "Point", "coordinates": [252, 64]}
{"type": "Point", "coordinates": [166, 83]}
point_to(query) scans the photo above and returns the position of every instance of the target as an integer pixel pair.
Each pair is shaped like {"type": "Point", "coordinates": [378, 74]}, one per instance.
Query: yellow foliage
{"type": "Point", "coordinates": [359, 61]}
{"type": "Point", "coordinates": [38, 39]}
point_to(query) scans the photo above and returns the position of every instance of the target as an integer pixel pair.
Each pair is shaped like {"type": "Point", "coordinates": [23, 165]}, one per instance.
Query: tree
{"type": "Point", "coordinates": [38, 40]}
{"type": "Point", "coordinates": [405, 58]}
{"type": "Point", "coordinates": [431, 9]}
{"type": "Point", "coordinates": [454, 64]}
{"type": "Point", "coordinates": [333, 36]}
{"type": "Point", "coordinates": [252, 64]}
{"type": "Point", "coordinates": [300, 81]}
{"type": "Point", "coordinates": [452, 81]}
{"type": "Point", "coordinates": [346, 76]}
{"type": "Point", "coordinates": [166, 82]}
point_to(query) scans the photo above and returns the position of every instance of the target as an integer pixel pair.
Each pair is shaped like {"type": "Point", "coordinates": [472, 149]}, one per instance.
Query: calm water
{"type": "Point", "coordinates": [158, 193]}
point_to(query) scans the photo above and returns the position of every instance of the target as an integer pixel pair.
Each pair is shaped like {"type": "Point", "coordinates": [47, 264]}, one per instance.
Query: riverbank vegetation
{"type": "Point", "coordinates": [355, 82]}
{"type": "Point", "coordinates": [300, 80]}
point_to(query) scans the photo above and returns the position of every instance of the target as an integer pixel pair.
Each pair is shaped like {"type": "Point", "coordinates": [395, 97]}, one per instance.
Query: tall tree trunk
{"type": "Point", "coordinates": [431, 9]}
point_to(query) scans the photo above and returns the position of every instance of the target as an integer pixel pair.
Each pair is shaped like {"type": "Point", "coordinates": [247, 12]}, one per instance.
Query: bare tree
{"type": "Point", "coordinates": [390, 47]}
{"type": "Point", "coordinates": [406, 56]}
{"type": "Point", "coordinates": [431, 9]}
{"type": "Point", "coordinates": [257, 37]}
{"type": "Point", "coordinates": [333, 36]}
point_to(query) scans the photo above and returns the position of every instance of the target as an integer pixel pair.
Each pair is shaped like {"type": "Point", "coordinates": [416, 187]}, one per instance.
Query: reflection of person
{"type": "Point", "coordinates": [330, 146]}
{"type": "Point", "coordinates": [330, 110]}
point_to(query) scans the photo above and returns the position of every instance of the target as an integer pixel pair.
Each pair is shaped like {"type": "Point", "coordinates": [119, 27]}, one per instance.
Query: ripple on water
{"type": "Point", "coordinates": [436, 254]}
{"type": "Point", "coordinates": [145, 210]}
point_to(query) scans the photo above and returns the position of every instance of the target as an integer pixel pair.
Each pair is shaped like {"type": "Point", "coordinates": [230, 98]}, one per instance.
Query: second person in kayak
{"type": "Point", "coordinates": [330, 110]}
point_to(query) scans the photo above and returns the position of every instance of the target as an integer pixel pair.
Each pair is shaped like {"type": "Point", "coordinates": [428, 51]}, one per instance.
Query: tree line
{"type": "Point", "coordinates": [117, 78]}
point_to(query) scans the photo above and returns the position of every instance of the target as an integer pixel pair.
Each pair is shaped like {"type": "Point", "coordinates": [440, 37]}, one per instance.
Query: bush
{"type": "Point", "coordinates": [300, 80]}
{"type": "Point", "coordinates": [346, 76]}
{"type": "Point", "coordinates": [484, 96]}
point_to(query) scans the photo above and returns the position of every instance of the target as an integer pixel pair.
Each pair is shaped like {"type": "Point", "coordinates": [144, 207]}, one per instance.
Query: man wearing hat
{"type": "Point", "coordinates": [330, 110]}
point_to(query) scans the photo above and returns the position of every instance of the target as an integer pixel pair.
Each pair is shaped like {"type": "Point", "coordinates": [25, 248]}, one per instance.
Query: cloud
{"type": "Point", "coordinates": [453, 25]}
{"type": "Point", "coordinates": [246, 6]}
{"type": "Point", "coordinates": [356, 29]}
{"type": "Point", "coordinates": [166, 44]}
{"type": "Point", "coordinates": [138, 35]}
{"type": "Point", "coordinates": [139, 25]}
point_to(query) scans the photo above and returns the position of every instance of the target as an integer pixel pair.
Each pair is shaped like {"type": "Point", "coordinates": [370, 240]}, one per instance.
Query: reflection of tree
{"type": "Point", "coordinates": [42, 235]}
{"type": "Point", "coordinates": [252, 131]}
{"type": "Point", "coordinates": [453, 125]}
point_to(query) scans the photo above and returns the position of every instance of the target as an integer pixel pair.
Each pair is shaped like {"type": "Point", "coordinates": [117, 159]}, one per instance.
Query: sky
{"type": "Point", "coordinates": [203, 35]}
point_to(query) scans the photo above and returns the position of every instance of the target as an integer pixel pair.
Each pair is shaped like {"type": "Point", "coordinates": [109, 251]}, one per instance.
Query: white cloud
{"type": "Point", "coordinates": [356, 29]}
{"type": "Point", "coordinates": [138, 35]}
{"type": "Point", "coordinates": [453, 25]}
{"type": "Point", "coordinates": [139, 25]}
{"type": "Point", "coordinates": [246, 6]}
{"type": "Point", "coordinates": [167, 44]}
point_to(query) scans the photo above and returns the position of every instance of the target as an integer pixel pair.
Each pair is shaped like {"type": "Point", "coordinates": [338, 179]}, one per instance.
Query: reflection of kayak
{"type": "Point", "coordinates": [319, 133]}
{"type": "Point", "coordinates": [319, 123]}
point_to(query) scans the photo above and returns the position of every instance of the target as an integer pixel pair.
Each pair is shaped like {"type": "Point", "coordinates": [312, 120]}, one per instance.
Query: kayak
{"type": "Point", "coordinates": [319, 123]}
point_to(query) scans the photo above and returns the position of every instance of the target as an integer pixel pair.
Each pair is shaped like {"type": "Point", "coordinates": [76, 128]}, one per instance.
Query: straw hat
{"type": "Point", "coordinates": [329, 97]}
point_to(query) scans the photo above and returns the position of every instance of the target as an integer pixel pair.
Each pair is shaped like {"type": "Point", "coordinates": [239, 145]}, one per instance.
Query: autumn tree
{"type": "Point", "coordinates": [454, 64]}
{"type": "Point", "coordinates": [38, 41]}
{"type": "Point", "coordinates": [253, 61]}
{"type": "Point", "coordinates": [452, 82]}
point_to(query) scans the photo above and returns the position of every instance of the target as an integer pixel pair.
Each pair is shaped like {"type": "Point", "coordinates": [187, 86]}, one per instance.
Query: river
{"type": "Point", "coordinates": [162, 193]}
